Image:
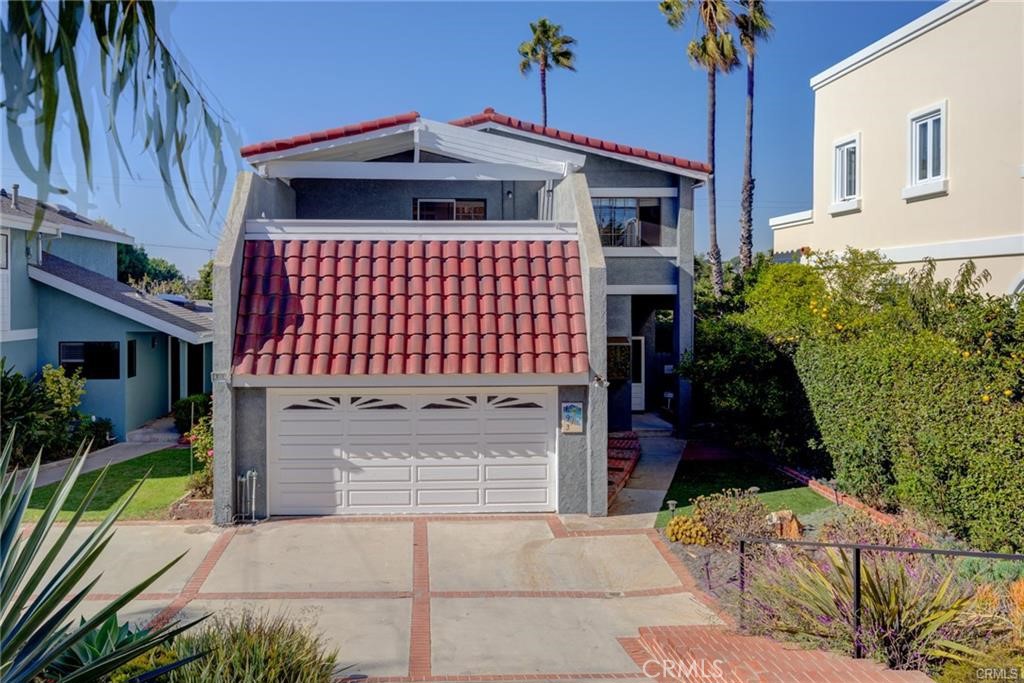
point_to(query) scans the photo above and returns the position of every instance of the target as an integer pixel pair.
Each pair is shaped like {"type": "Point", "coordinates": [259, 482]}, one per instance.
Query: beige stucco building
{"type": "Point", "coordinates": [919, 146]}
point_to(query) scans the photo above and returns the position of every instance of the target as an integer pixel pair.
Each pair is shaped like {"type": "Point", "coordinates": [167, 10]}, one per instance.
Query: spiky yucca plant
{"type": "Point", "coordinates": [39, 595]}
{"type": "Point", "coordinates": [905, 618]}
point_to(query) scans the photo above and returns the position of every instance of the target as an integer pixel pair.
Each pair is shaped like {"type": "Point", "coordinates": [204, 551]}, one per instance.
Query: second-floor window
{"type": "Point", "coordinates": [449, 209]}
{"type": "Point", "coordinates": [846, 180]}
{"type": "Point", "coordinates": [927, 156]}
{"type": "Point", "coordinates": [628, 221]}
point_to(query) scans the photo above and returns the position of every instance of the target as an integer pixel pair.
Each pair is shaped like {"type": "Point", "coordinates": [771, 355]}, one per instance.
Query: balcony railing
{"type": "Point", "coordinates": [632, 233]}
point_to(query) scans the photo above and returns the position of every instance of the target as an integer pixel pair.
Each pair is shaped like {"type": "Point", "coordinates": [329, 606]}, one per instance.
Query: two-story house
{"type": "Point", "coordinates": [61, 304]}
{"type": "Point", "coordinates": [919, 146]}
{"type": "Point", "coordinates": [417, 316]}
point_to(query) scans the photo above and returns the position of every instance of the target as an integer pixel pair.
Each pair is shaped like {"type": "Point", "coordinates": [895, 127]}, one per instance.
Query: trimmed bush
{"type": "Point", "coordinates": [190, 408]}
{"type": "Point", "coordinates": [731, 515]}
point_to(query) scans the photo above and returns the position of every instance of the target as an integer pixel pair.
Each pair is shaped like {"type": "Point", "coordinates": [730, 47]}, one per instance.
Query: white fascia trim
{"type": "Point", "coordinates": [668, 168]}
{"type": "Point", "coordinates": [51, 228]}
{"type": "Point", "coordinates": [641, 289]}
{"type": "Point", "coordinates": [117, 307]}
{"type": "Point", "coordinates": [257, 159]}
{"type": "Point", "coordinates": [271, 229]}
{"type": "Point", "coordinates": [900, 36]}
{"type": "Point", "coordinates": [403, 381]}
{"type": "Point", "coordinates": [640, 252]}
{"type": "Point", "coordinates": [791, 220]}
{"type": "Point", "coordinates": [19, 335]}
{"type": "Point", "coordinates": [473, 145]}
{"type": "Point", "coordinates": [634, 192]}
{"type": "Point", "coordinates": [844, 207]}
{"type": "Point", "coordinates": [385, 170]}
{"type": "Point", "coordinates": [1004, 245]}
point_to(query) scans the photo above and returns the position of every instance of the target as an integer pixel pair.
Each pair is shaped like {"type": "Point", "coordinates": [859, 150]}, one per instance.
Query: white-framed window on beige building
{"type": "Point", "coordinates": [846, 175]}
{"type": "Point", "coordinates": [926, 147]}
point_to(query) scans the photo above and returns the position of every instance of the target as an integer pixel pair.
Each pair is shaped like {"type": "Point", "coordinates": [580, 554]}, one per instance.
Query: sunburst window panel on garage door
{"type": "Point", "coordinates": [340, 452]}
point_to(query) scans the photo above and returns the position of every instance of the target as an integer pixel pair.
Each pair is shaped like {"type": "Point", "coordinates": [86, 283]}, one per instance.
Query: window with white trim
{"type": "Point", "coordinates": [846, 180]}
{"type": "Point", "coordinates": [4, 251]}
{"type": "Point", "coordinates": [927, 148]}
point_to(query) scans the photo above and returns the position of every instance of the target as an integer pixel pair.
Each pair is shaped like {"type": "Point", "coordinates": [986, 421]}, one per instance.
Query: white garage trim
{"type": "Point", "coordinates": [402, 450]}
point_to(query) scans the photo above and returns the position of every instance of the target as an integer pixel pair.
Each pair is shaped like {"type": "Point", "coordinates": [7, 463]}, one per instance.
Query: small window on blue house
{"type": "Point", "coordinates": [3, 252]}
{"type": "Point", "coordinates": [132, 359]}
{"type": "Point", "coordinates": [96, 360]}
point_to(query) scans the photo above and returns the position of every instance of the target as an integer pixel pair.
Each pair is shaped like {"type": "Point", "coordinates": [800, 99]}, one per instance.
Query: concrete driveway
{"type": "Point", "coordinates": [497, 597]}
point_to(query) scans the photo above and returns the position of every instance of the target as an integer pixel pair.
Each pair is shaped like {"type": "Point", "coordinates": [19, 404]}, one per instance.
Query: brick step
{"type": "Point", "coordinates": [696, 650]}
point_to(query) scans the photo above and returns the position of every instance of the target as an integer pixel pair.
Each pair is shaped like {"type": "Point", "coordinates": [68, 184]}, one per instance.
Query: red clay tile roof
{"type": "Point", "coordinates": [329, 134]}
{"type": "Point", "coordinates": [488, 115]}
{"type": "Point", "coordinates": [368, 307]}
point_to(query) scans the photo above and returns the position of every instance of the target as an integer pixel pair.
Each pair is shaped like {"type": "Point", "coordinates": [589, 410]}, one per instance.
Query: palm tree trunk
{"type": "Point", "coordinates": [714, 254]}
{"type": "Point", "coordinates": [747, 198]}
{"type": "Point", "coordinates": [544, 94]}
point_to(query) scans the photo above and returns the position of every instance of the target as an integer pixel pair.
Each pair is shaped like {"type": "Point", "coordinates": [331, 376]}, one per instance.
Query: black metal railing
{"type": "Point", "coordinates": [857, 548]}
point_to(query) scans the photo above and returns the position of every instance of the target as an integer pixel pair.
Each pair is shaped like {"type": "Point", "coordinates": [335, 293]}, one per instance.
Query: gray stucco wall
{"type": "Point", "coordinates": [393, 199]}
{"type": "Point", "coordinates": [573, 457]}
{"type": "Point", "coordinates": [572, 203]}
{"type": "Point", "coordinates": [251, 440]}
{"type": "Point", "coordinates": [640, 271]}
{"type": "Point", "coordinates": [253, 197]}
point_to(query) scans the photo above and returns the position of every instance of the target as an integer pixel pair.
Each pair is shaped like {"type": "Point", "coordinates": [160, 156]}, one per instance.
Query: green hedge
{"type": "Point", "coordinates": [912, 389]}
{"type": "Point", "coordinates": [907, 424]}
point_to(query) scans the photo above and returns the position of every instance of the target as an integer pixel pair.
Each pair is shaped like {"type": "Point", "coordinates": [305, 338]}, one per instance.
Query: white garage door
{"type": "Point", "coordinates": [338, 452]}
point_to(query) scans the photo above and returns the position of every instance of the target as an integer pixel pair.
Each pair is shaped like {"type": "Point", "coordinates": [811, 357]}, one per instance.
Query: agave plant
{"type": "Point", "coordinates": [39, 595]}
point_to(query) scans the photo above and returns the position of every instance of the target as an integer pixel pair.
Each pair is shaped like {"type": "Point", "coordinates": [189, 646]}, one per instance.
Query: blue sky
{"type": "Point", "coordinates": [282, 69]}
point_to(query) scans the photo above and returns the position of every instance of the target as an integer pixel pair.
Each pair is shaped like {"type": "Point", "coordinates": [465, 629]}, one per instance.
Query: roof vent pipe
{"type": "Point", "coordinates": [14, 195]}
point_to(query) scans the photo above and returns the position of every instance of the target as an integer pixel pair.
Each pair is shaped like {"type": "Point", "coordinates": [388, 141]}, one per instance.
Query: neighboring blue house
{"type": "Point", "coordinates": [61, 303]}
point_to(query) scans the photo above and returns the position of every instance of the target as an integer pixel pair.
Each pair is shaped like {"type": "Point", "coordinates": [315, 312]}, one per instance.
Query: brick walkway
{"type": "Point", "coordinates": [714, 653]}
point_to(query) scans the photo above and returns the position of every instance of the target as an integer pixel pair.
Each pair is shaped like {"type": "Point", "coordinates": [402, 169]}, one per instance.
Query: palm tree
{"type": "Point", "coordinates": [715, 52]}
{"type": "Point", "coordinates": [548, 49]}
{"type": "Point", "coordinates": [753, 25]}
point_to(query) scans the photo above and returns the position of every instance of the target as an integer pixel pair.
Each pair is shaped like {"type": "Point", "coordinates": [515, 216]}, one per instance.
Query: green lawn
{"type": "Point", "coordinates": [167, 482]}
{"type": "Point", "coordinates": [779, 492]}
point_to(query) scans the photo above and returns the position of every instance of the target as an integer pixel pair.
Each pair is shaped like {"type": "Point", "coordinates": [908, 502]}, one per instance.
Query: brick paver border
{"type": "Point", "coordinates": [421, 594]}
{"type": "Point", "coordinates": [196, 581]}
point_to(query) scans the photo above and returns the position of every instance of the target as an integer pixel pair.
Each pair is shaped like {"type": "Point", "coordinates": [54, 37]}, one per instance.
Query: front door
{"type": "Point", "coordinates": [636, 364]}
